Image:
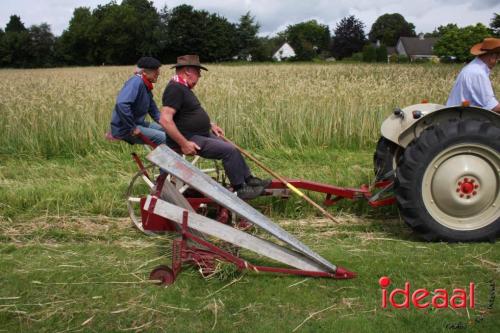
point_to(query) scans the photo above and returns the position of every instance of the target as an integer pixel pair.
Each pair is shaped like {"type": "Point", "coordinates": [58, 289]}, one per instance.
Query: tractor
{"type": "Point", "coordinates": [445, 165]}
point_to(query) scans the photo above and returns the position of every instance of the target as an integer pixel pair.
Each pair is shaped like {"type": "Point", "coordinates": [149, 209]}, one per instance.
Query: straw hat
{"type": "Point", "coordinates": [488, 45]}
{"type": "Point", "coordinates": [191, 60]}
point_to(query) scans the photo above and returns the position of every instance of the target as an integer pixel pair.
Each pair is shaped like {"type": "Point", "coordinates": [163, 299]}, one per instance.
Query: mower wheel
{"type": "Point", "coordinates": [384, 159]}
{"type": "Point", "coordinates": [163, 274]}
{"type": "Point", "coordinates": [448, 181]}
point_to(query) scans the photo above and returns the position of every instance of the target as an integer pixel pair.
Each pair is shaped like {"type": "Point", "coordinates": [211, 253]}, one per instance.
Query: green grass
{"type": "Point", "coordinates": [69, 259]}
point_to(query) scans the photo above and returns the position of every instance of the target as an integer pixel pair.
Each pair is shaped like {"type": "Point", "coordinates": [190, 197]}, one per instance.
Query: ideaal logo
{"type": "Point", "coordinates": [421, 298]}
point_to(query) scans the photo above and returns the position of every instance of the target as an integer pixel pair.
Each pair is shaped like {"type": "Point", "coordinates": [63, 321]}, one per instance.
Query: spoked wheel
{"type": "Point", "coordinates": [140, 186]}
{"type": "Point", "coordinates": [143, 184]}
{"type": "Point", "coordinates": [163, 275]}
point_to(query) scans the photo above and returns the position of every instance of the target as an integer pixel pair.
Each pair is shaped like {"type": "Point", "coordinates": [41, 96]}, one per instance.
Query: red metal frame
{"type": "Point", "coordinates": [206, 254]}
{"type": "Point", "coordinates": [206, 257]}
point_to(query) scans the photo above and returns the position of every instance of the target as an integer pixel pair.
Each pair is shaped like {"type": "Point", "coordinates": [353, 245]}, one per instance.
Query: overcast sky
{"type": "Point", "coordinates": [275, 15]}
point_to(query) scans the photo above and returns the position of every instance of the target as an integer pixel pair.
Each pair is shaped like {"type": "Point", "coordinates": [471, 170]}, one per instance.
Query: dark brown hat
{"type": "Point", "coordinates": [192, 60]}
{"type": "Point", "coordinates": [488, 45]}
{"type": "Point", "coordinates": [148, 63]}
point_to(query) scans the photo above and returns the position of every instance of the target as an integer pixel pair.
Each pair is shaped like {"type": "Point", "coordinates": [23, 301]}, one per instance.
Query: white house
{"type": "Point", "coordinates": [284, 52]}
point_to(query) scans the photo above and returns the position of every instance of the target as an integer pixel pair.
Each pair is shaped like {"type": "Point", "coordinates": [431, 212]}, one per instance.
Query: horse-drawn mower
{"type": "Point", "coordinates": [440, 165]}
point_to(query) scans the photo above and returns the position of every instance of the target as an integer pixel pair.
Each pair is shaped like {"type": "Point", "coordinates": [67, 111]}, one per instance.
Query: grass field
{"type": "Point", "coordinates": [70, 261]}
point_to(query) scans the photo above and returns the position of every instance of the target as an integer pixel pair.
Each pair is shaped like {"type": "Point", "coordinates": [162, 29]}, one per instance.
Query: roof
{"type": "Point", "coordinates": [285, 51]}
{"type": "Point", "coordinates": [418, 46]}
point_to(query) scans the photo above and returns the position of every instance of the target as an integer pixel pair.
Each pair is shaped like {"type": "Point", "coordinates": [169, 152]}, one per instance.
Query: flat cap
{"type": "Point", "coordinates": [148, 63]}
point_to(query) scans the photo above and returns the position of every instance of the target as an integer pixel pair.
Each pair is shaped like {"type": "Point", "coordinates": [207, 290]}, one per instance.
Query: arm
{"type": "Point", "coordinates": [167, 122]}
{"type": "Point", "coordinates": [483, 89]}
{"type": "Point", "coordinates": [217, 130]}
{"type": "Point", "coordinates": [153, 111]}
{"type": "Point", "coordinates": [123, 106]}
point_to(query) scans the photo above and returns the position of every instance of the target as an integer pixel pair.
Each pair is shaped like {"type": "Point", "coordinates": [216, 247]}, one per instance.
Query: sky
{"type": "Point", "coordinates": [276, 15]}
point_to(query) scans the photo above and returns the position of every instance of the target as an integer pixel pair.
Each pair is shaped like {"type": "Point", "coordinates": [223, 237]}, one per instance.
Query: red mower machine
{"type": "Point", "coordinates": [440, 165]}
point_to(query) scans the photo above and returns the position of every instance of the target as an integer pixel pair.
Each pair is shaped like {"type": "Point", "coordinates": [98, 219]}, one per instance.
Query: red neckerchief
{"type": "Point", "coordinates": [180, 80]}
{"type": "Point", "coordinates": [148, 84]}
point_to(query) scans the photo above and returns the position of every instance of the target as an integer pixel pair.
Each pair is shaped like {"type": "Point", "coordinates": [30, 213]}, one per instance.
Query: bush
{"type": "Point", "coordinates": [393, 58]}
{"type": "Point", "coordinates": [422, 61]}
{"type": "Point", "coordinates": [358, 56]}
{"type": "Point", "coordinates": [381, 53]}
{"type": "Point", "coordinates": [369, 53]}
{"type": "Point", "coordinates": [403, 59]}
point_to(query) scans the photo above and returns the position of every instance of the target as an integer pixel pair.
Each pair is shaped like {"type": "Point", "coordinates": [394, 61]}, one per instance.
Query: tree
{"type": "Point", "coordinates": [495, 24]}
{"type": "Point", "coordinates": [193, 31]}
{"type": "Point", "coordinates": [220, 39]}
{"type": "Point", "coordinates": [441, 30]}
{"type": "Point", "coordinates": [349, 37]}
{"type": "Point", "coordinates": [183, 30]}
{"type": "Point", "coordinates": [42, 45]}
{"type": "Point", "coordinates": [147, 29]}
{"type": "Point", "coordinates": [456, 42]}
{"type": "Point", "coordinates": [15, 44]}
{"type": "Point", "coordinates": [75, 46]}
{"type": "Point", "coordinates": [308, 39]}
{"type": "Point", "coordinates": [114, 34]}
{"type": "Point", "coordinates": [389, 27]}
{"type": "Point", "coordinates": [15, 24]}
{"type": "Point", "coordinates": [2, 48]}
{"type": "Point", "coordinates": [246, 34]}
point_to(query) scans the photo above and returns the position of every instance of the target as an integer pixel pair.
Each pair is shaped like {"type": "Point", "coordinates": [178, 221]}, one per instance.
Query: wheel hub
{"type": "Point", "coordinates": [467, 187]}
{"type": "Point", "coordinates": [461, 187]}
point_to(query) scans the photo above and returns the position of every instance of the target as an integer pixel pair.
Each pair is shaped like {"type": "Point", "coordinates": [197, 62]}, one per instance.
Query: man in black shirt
{"type": "Point", "coordinates": [188, 127]}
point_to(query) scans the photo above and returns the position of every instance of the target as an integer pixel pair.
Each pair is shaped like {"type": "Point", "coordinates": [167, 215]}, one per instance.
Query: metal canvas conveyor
{"type": "Point", "coordinates": [168, 206]}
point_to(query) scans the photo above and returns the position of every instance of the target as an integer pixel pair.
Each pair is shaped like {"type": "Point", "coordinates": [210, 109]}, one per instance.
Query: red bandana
{"type": "Point", "coordinates": [180, 80]}
{"type": "Point", "coordinates": [148, 84]}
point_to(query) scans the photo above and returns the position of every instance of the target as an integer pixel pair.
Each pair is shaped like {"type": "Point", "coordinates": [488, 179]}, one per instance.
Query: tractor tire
{"type": "Point", "coordinates": [448, 182]}
{"type": "Point", "coordinates": [384, 159]}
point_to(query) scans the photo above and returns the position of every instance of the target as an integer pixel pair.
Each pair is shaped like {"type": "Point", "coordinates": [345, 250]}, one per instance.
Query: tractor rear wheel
{"type": "Point", "coordinates": [448, 181]}
{"type": "Point", "coordinates": [384, 159]}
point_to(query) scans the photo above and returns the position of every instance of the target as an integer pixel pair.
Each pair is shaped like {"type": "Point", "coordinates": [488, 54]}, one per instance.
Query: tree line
{"type": "Point", "coordinates": [118, 34]}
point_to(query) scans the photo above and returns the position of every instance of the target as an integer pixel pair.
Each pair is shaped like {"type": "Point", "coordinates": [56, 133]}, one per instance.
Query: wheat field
{"type": "Point", "coordinates": [65, 112]}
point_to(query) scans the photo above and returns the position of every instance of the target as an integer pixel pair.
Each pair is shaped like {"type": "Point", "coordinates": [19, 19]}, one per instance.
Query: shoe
{"type": "Point", "coordinates": [254, 181]}
{"type": "Point", "coordinates": [247, 192]}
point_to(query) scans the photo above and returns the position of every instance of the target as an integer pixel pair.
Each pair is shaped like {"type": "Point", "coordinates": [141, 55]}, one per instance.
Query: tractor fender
{"type": "Point", "coordinates": [403, 129]}
{"type": "Point", "coordinates": [402, 119]}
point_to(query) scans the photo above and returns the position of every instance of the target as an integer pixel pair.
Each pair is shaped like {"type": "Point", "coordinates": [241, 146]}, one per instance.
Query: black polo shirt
{"type": "Point", "coordinates": [190, 118]}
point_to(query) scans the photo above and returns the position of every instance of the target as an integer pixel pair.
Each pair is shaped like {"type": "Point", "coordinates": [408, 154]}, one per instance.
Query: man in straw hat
{"type": "Point", "coordinates": [189, 128]}
{"type": "Point", "coordinates": [473, 83]}
{"type": "Point", "coordinates": [134, 102]}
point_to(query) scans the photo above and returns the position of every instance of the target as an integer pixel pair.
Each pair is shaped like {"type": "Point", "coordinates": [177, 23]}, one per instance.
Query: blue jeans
{"type": "Point", "coordinates": [152, 131]}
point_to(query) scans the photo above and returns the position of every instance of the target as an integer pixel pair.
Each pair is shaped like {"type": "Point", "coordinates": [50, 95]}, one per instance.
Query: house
{"type": "Point", "coordinates": [416, 47]}
{"type": "Point", "coordinates": [284, 52]}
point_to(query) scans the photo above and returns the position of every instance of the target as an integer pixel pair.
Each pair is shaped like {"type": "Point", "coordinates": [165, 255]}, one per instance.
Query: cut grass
{"type": "Point", "coordinates": [79, 265]}
{"type": "Point", "coordinates": [100, 285]}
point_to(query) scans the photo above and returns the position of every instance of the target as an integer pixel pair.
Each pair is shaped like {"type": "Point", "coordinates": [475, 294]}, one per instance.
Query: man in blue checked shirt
{"type": "Point", "coordinates": [134, 102]}
{"type": "Point", "coordinates": [473, 83]}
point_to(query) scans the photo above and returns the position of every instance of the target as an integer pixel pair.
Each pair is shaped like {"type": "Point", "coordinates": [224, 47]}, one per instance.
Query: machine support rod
{"type": "Point", "coordinates": [281, 179]}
